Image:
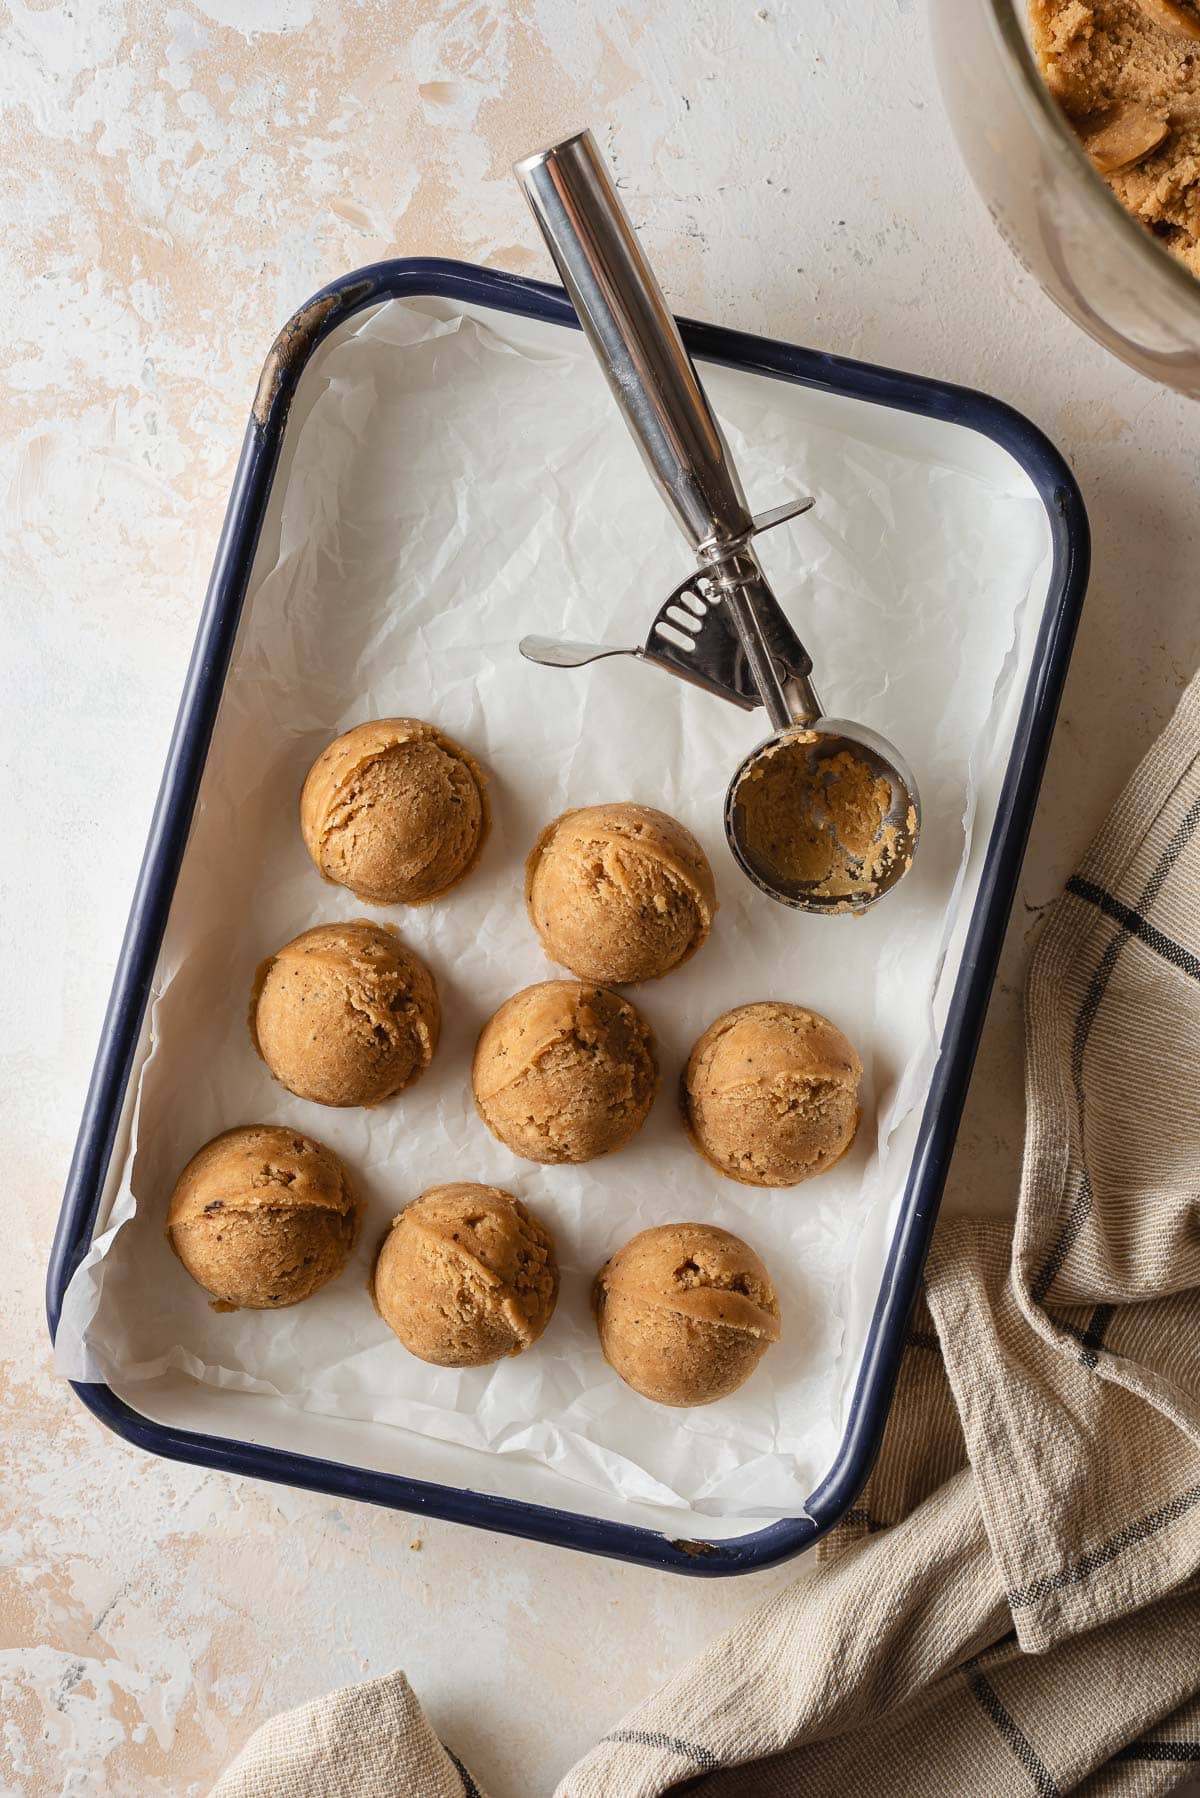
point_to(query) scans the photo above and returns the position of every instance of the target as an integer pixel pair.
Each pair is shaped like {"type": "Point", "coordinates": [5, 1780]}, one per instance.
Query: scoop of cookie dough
{"type": "Point", "coordinates": [619, 892]}
{"type": "Point", "coordinates": [395, 811]}
{"type": "Point", "coordinates": [262, 1216]}
{"type": "Point", "coordinates": [1127, 75]}
{"type": "Point", "coordinates": [819, 821]}
{"type": "Point", "coordinates": [344, 1014]}
{"type": "Point", "coordinates": [685, 1312]}
{"type": "Point", "coordinates": [466, 1275]}
{"type": "Point", "coordinates": [770, 1094]}
{"type": "Point", "coordinates": [564, 1072]}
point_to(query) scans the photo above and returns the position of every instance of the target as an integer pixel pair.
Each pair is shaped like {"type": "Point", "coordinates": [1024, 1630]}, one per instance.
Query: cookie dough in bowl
{"type": "Point", "coordinates": [564, 1071]}
{"type": "Point", "coordinates": [396, 811]}
{"type": "Point", "coordinates": [262, 1217]}
{"type": "Point", "coordinates": [685, 1313]}
{"type": "Point", "coordinates": [619, 893]}
{"type": "Point", "coordinates": [344, 1014]}
{"type": "Point", "coordinates": [1126, 74]}
{"type": "Point", "coordinates": [466, 1275]}
{"type": "Point", "coordinates": [770, 1094]}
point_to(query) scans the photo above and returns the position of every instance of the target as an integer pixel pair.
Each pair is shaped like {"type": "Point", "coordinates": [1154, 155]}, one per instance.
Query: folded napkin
{"type": "Point", "coordinates": [1013, 1604]}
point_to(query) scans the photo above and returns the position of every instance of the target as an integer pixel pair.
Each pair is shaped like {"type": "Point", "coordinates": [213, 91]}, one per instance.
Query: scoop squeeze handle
{"type": "Point", "coordinates": [630, 327]}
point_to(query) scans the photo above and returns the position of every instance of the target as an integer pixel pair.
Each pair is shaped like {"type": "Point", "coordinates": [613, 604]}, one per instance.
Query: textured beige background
{"type": "Point", "coordinates": [176, 179]}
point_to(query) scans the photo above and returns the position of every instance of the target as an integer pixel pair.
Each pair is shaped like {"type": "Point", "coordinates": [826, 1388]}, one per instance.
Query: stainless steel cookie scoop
{"type": "Point", "coordinates": [824, 815]}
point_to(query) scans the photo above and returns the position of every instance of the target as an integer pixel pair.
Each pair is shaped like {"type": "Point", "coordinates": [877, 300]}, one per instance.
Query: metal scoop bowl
{"type": "Point", "coordinates": [825, 867]}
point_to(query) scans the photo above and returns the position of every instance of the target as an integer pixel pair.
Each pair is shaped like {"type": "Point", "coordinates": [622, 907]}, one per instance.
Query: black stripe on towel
{"type": "Point", "coordinates": [1158, 1751]}
{"type": "Point", "coordinates": [1044, 1782]}
{"type": "Point", "coordinates": [654, 1738]}
{"type": "Point", "coordinates": [1133, 923]}
{"type": "Point", "coordinates": [470, 1789]}
{"type": "Point", "coordinates": [1092, 1340]}
{"type": "Point", "coordinates": [863, 1520]}
{"type": "Point", "coordinates": [1105, 1555]}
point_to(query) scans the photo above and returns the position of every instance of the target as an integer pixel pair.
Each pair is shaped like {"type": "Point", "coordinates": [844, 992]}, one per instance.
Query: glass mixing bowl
{"type": "Point", "coordinates": [1054, 211]}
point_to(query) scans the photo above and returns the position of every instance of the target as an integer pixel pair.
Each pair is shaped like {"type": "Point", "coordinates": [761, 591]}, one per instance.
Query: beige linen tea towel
{"type": "Point", "coordinates": [1013, 1605]}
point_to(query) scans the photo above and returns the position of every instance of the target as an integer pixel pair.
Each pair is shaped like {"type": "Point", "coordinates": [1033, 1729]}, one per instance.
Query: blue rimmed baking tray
{"type": "Point", "coordinates": [1067, 522]}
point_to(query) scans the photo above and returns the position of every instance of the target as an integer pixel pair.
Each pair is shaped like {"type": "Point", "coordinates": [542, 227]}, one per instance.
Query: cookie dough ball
{"type": "Point", "coordinates": [465, 1276]}
{"type": "Point", "coordinates": [262, 1216]}
{"type": "Point", "coordinates": [344, 1014]}
{"type": "Point", "coordinates": [619, 893]}
{"type": "Point", "coordinates": [685, 1312]}
{"type": "Point", "coordinates": [395, 811]}
{"type": "Point", "coordinates": [564, 1072]}
{"type": "Point", "coordinates": [770, 1094]}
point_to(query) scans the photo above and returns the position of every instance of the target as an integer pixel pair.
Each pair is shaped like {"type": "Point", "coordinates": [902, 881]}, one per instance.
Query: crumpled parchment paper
{"type": "Point", "coordinates": [457, 482]}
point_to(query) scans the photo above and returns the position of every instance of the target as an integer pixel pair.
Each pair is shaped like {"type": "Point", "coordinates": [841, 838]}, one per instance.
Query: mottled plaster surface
{"type": "Point", "coordinates": [177, 179]}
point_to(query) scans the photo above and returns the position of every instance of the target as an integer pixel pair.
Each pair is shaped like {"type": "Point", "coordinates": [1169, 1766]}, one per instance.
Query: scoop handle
{"type": "Point", "coordinates": [628, 324]}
